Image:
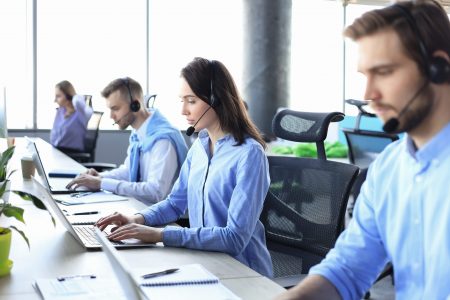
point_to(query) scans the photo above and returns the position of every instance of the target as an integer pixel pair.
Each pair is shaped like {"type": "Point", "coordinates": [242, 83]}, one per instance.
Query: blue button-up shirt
{"type": "Point", "coordinates": [402, 215]}
{"type": "Point", "coordinates": [224, 195]}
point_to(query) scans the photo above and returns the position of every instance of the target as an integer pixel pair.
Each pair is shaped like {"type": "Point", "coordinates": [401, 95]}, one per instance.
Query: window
{"type": "Point", "coordinates": [355, 82]}
{"type": "Point", "coordinates": [89, 43]}
{"type": "Point", "coordinates": [181, 30]}
{"type": "Point", "coordinates": [317, 50]}
{"type": "Point", "coordinates": [15, 73]}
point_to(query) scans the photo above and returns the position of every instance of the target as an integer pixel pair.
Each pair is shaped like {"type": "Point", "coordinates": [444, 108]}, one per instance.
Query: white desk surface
{"type": "Point", "coordinates": [54, 252]}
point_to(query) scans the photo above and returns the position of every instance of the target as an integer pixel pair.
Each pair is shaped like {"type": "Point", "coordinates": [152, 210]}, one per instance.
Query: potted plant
{"type": "Point", "coordinates": [9, 210]}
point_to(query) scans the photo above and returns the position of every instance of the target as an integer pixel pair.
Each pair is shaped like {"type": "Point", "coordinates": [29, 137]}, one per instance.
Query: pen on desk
{"type": "Point", "coordinates": [62, 278]}
{"type": "Point", "coordinates": [80, 194]}
{"type": "Point", "coordinates": [156, 274]}
{"type": "Point", "coordinates": [85, 213]}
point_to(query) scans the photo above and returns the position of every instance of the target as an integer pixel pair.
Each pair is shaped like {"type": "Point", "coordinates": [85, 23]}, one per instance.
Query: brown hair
{"type": "Point", "coordinates": [67, 89]}
{"type": "Point", "coordinates": [205, 77]}
{"type": "Point", "coordinates": [122, 84]}
{"type": "Point", "coordinates": [432, 23]}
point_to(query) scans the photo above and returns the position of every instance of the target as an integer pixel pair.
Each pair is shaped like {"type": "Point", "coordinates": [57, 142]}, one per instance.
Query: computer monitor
{"type": "Point", "coordinates": [3, 124]}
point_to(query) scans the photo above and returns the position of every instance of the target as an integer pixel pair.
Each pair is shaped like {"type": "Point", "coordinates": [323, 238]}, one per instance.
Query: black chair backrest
{"type": "Point", "coordinates": [148, 99]}
{"type": "Point", "coordinates": [306, 127]}
{"type": "Point", "coordinates": [88, 100]}
{"type": "Point", "coordinates": [90, 140]}
{"type": "Point", "coordinates": [306, 203]}
{"type": "Point", "coordinates": [304, 210]}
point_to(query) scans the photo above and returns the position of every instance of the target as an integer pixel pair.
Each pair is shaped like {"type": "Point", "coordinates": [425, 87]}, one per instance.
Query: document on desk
{"type": "Point", "coordinates": [78, 288]}
{"type": "Point", "coordinates": [191, 281]}
{"type": "Point", "coordinates": [88, 197]}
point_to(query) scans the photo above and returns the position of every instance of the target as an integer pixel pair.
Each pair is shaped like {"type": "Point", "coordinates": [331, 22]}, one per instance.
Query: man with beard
{"type": "Point", "coordinates": [403, 212]}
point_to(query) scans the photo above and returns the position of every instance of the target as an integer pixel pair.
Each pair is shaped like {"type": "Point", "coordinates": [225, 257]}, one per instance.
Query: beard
{"type": "Point", "coordinates": [415, 115]}
{"type": "Point", "coordinates": [128, 120]}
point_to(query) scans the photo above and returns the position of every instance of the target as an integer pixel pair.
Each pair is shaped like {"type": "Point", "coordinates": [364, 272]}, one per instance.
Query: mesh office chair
{"type": "Point", "coordinates": [87, 158]}
{"type": "Point", "coordinates": [304, 210]}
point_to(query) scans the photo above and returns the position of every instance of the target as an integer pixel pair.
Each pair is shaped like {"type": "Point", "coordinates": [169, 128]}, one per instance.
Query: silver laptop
{"type": "Point", "coordinates": [129, 285]}
{"type": "Point", "coordinates": [84, 234]}
{"type": "Point", "coordinates": [55, 185]}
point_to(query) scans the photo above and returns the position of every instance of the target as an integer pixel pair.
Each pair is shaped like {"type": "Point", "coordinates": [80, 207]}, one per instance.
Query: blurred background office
{"type": "Point", "coordinates": [289, 53]}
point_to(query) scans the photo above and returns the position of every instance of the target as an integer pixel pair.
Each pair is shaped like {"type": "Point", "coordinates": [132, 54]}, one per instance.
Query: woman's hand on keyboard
{"type": "Point", "coordinates": [116, 218]}
{"type": "Point", "coordinates": [144, 233]}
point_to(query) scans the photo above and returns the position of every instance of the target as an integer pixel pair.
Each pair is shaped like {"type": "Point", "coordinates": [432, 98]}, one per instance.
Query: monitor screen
{"type": "Point", "coordinates": [3, 125]}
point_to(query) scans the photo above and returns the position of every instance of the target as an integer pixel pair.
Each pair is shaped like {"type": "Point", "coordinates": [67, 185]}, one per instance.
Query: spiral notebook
{"type": "Point", "coordinates": [191, 281]}
{"type": "Point", "coordinates": [186, 275]}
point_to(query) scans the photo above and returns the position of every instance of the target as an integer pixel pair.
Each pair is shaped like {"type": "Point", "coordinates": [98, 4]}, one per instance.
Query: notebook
{"type": "Point", "coordinates": [84, 234]}
{"type": "Point", "coordinates": [56, 185]}
{"type": "Point", "coordinates": [191, 281]}
{"type": "Point", "coordinates": [78, 287]}
{"type": "Point", "coordinates": [185, 275]}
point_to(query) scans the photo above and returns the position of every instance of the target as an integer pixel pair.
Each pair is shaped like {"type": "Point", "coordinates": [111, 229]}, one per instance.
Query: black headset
{"type": "Point", "coordinates": [135, 105]}
{"type": "Point", "coordinates": [437, 69]}
{"type": "Point", "coordinates": [213, 102]}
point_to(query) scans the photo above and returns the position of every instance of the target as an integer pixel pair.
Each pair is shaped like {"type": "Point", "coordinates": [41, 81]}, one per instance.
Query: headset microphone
{"type": "Point", "coordinates": [391, 125]}
{"type": "Point", "coordinates": [124, 116]}
{"type": "Point", "coordinates": [191, 129]}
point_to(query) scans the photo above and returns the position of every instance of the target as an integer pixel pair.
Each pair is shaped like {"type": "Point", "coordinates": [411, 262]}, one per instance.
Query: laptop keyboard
{"type": "Point", "coordinates": [86, 233]}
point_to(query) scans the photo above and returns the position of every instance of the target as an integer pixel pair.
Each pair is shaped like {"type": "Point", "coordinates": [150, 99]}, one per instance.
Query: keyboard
{"type": "Point", "coordinates": [87, 235]}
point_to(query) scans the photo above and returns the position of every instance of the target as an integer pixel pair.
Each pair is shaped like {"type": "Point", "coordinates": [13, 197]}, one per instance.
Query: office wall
{"type": "Point", "coordinates": [111, 144]}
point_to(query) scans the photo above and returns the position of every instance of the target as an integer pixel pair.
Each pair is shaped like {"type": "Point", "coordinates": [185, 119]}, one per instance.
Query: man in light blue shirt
{"type": "Point", "coordinates": [154, 156]}
{"type": "Point", "coordinates": [403, 212]}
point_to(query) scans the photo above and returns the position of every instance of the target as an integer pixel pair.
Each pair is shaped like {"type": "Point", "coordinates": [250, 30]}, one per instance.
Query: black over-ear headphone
{"type": "Point", "coordinates": [437, 68]}
{"type": "Point", "coordinates": [212, 99]}
{"type": "Point", "coordinates": [135, 105]}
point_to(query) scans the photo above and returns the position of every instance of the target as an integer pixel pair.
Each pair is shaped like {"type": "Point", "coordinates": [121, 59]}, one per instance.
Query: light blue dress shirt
{"type": "Point", "coordinates": [402, 215]}
{"type": "Point", "coordinates": [224, 195]}
{"type": "Point", "coordinates": [158, 165]}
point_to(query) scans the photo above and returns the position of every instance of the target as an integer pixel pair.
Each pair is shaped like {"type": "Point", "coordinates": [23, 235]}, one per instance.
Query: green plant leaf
{"type": "Point", "coordinates": [29, 197]}
{"type": "Point", "coordinates": [22, 234]}
{"type": "Point", "coordinates": [4, 159]}
{"type": "Point", "coordinates": [6, 156]}
{"type": "Point", "coordinates": [13, 211]}
{"type": "Point", "coordinates": [3, 187]}
{"type": "Point", "coordinates": [36, 201]}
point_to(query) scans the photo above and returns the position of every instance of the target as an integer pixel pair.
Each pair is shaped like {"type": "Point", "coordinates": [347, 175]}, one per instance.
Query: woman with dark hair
{"type": "Point", "coordinates": [72, 116]}
{"type": "Point", "coordinates": [222, 183]}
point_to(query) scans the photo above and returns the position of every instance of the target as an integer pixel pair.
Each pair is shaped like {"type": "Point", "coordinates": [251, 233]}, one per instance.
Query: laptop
{"type": "Point", "coordinates": [128, 283]}
{"type": "Point", "coordinates": [84, 234]}
{"type": "Point", "coordinates": [56, 185]}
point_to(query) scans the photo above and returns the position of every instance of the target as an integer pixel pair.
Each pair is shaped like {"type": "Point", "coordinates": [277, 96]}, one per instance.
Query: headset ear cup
{"type": "Point", "coordinates": [135, 106]}
{"type": "Point", "coordinates": [439, 69]}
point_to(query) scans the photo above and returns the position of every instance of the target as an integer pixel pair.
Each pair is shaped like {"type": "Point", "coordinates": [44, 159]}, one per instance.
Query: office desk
{"type": "Point", "coordinates": [54, 252]}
